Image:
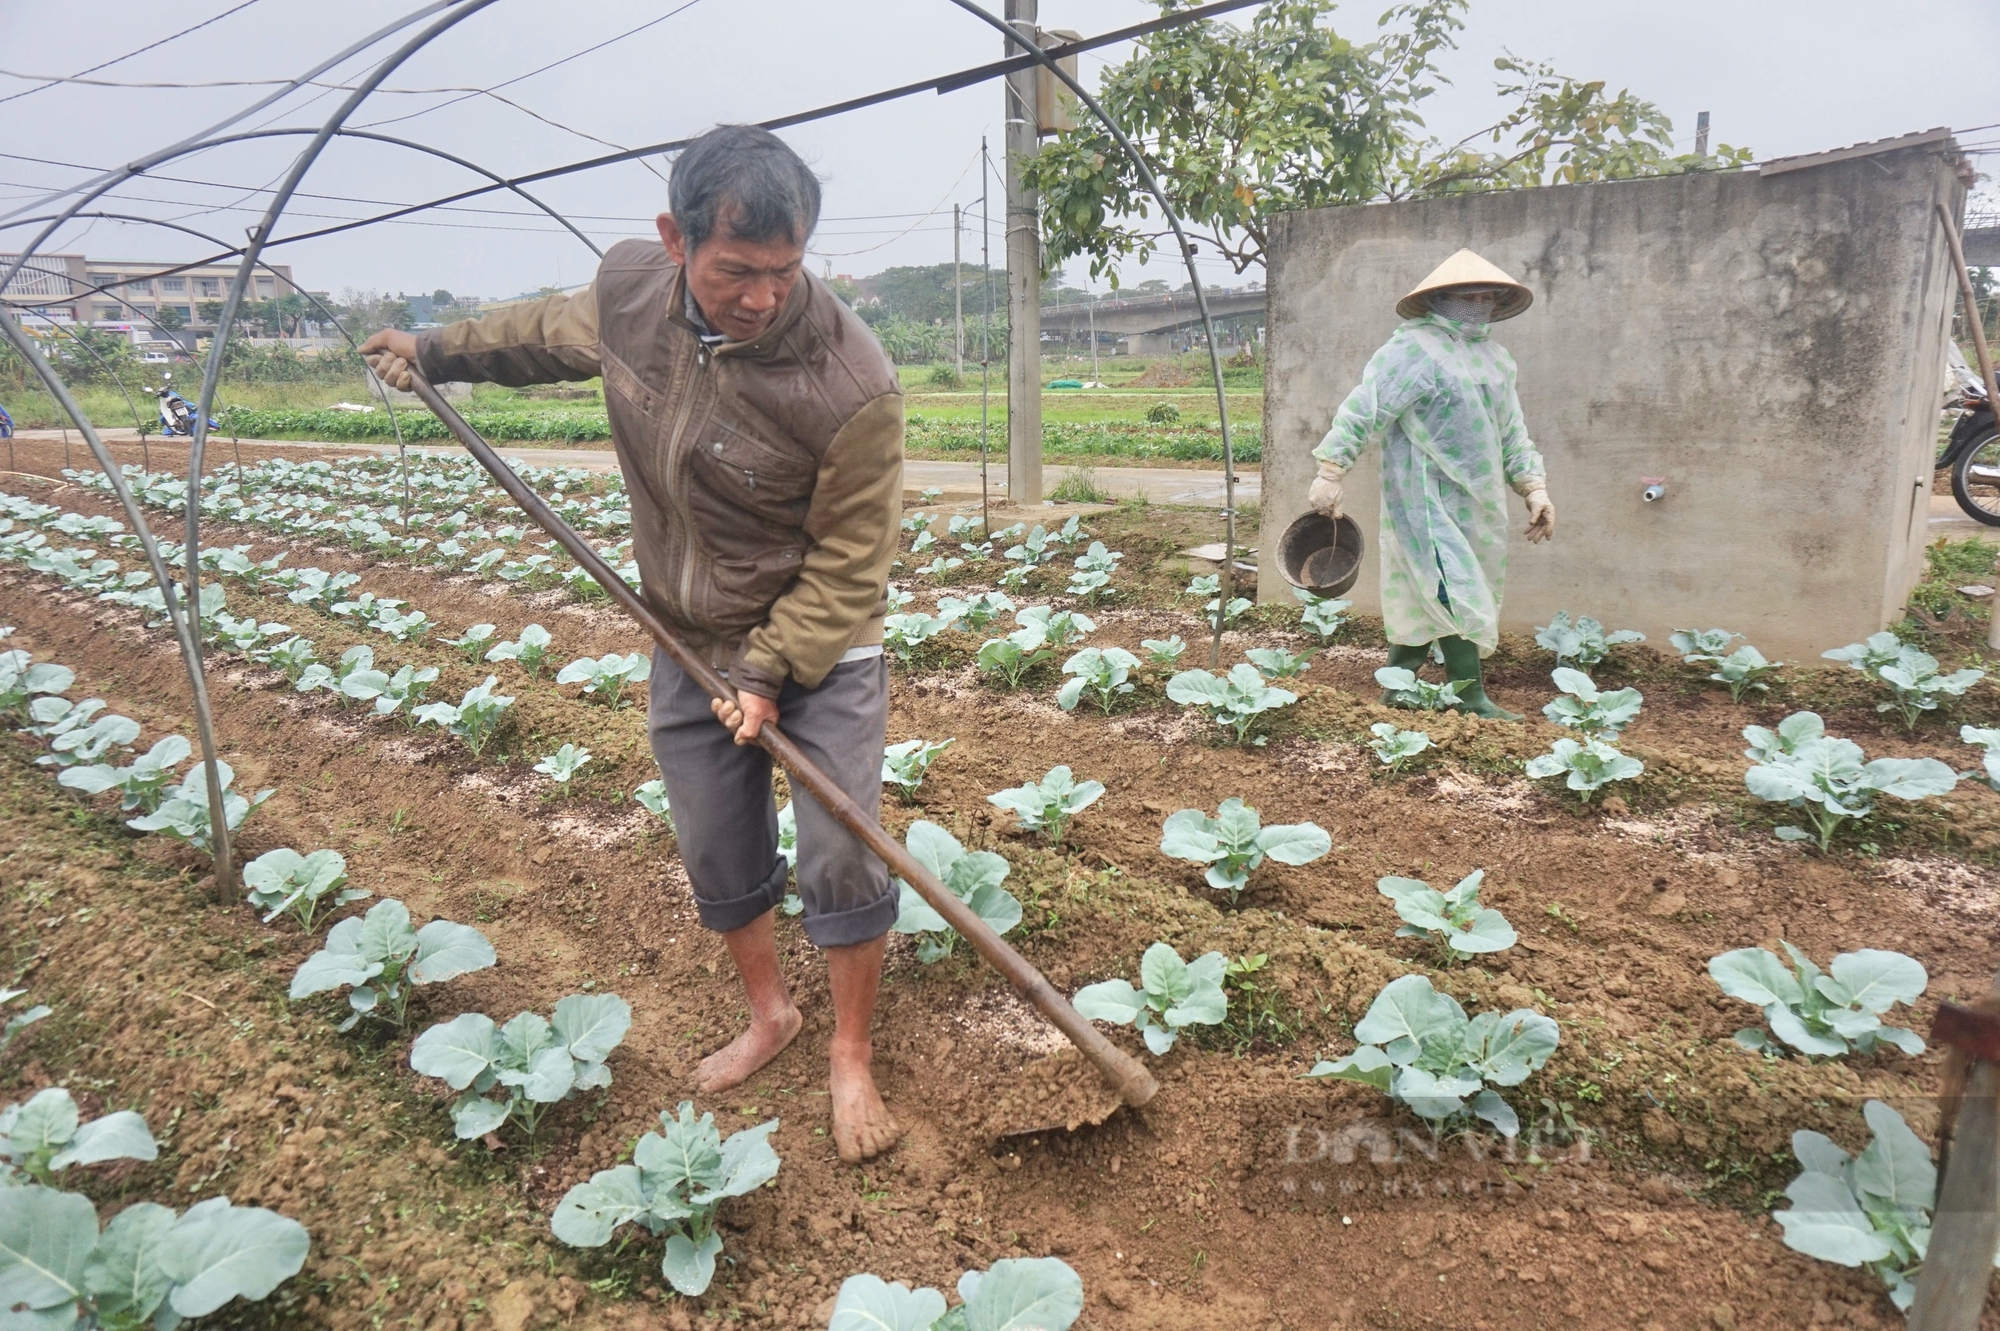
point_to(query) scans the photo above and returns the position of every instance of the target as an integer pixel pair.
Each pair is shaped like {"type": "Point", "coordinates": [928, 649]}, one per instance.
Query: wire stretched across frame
{"type": "Point", "coordinates": [185, 619]}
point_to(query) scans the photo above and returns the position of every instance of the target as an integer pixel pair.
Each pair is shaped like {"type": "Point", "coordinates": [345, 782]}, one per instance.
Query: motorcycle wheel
{"type": "Point", "coordinates": [1975, 480]}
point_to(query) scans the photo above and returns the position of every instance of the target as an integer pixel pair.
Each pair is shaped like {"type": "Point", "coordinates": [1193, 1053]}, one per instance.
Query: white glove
{"type": "Point", "coordinates": [1325, 494]}
{"type": "Point", "coordinates": [1541, 512]}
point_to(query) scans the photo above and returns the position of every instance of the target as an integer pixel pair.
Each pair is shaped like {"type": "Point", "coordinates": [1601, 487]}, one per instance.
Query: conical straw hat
{"type": "Point", "coordinates": [1467, 269]}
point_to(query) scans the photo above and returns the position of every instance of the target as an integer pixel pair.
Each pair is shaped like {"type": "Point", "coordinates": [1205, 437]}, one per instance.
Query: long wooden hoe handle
{"type": "Point", "coordinates": [1127, 1076]}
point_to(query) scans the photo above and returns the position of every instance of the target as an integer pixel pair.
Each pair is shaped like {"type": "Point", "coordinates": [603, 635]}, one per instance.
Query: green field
{"type": "Point", "coordinates": [1121, 423]}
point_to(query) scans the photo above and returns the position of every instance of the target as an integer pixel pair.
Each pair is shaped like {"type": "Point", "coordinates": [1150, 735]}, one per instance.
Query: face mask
{"type": "Point", "coordinates": [1461, 310]}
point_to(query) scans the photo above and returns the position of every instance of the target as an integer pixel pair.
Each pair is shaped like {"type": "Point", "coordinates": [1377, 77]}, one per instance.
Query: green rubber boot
{"type": "Point", "coordinates": [1461, 662]}
{"type": "Point", "coordinates": [1409, 658]}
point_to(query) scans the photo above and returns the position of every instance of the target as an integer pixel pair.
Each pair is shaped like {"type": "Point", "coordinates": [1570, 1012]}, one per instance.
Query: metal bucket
{"type": "Point", "coordinates": [1321, 555]}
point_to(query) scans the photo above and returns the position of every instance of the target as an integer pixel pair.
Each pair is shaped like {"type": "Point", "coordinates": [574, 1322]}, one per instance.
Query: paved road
{"type": "Point", "coordinates": [1164, 485]}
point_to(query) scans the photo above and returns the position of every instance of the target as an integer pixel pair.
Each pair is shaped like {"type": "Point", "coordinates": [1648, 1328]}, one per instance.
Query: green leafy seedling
{"type": "Point", "coordinates": [1232, 844]}
{"type": "Point", "coordinates": [1172, 994]}
{"type": "Point", "coordinates": [1454, 921]}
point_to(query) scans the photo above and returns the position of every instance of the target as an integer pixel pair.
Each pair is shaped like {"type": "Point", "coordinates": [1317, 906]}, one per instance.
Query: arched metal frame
{"type": "Point", "coordinates": [185, 618]}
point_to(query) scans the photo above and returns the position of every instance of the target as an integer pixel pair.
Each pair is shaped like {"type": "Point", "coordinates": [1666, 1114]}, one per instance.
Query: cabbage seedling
{"type": "Point", "coordinates": [1589, 712]}
{"type": "Point", "coordinates": [1039, 1292]}
{"type": "Point", "coordinates": [1586, 767]}
{"type": "Point", "coordinates": [1701, 646]}
{"type": "Point", "coordinates": [284, 880]}
{"type": "Point", "coordinates": [1060, 628]}
{"type": "Point", "coordinates": [141, 784]}
{"type": "Point", "coordinates": [1105, 672]}
{"type": "Point", "coordinates": [53, 715]}
{"type": "Point", "coordinates": [356, 664]}
{"type": "Point", "coordinates": [473, 643]}
{"type": "Point", "coordinates": [1395, 748]}
{"type": "Point", "coordinates": [44, 1136]}
{"type": "Point", "coordinates": [21, 680]}
{"type": "Point", "coordinates": [474, 719]}
{"type": "Point", "coordinates": [532, 1061]}
{"type": "Point", "coordinates": [1584, 642]}
{"type": "Point", "coordinates": [148, 1267]}
{"type": "Point", "coordinates": [1454, 920]}
{"type": "Point", "coordinates": [406, 686]}
{"type": "Point", "coordinates": [675, 1185]}
{"type": "Point", "coordinates": [1163, 652]}
{"type": "Point", "coordinates": [314, 586]}
{"type": "Point", "coordinates": [974, 877]}
{"type": "Point", "coordinates": [1418, 1047]}
{"type": "Point", "coordinates": [975, 612]}
{"type": "Point", "coordinates": [1275, 663]}
{"type": "Point", "coordinates": [381, 958]}
{"type": "Point", "coordinates": [1232, 845]}
{"type": "Point", "coordinates": [563, 765]}
{"type": "Point", "coordinates": [1870, 1210]}
{"type": "Point", "coordinates": [1012, 657]}
{"type": "Point", "coordinates": [1792, 732]}
{"type": "Point", "coordinates": [402, 626]}
{"type": "Point", "coordinates": [88, 745]}
{"type": "Point", "coordinates": [367, 607]}
{"type": "Point", "coordinates": [290, 657]}
{"type": "Point", "coordinates": [905, 765]}
{"type": "Point", "coordinates": [1989, 741]}
{"type": "Point", "coordinates": [1828, 780]}
{"type": "Point", "coordinates": [1742, 670]}
{"type": "Point", "coordinates": [652, 797]}
{"type": "Point", "coordinates": [605, 677]}
{"type": "Point", "coordinates": [1046, 806]}
{"type": "Point", "coordinates": [1321, 614]}
{"type": "Point", "coordinates": [1234, 701]}
{"type": "Point", "coordinates": [1094, 570]}
{"type": "Point", "coordinates": [20, 1021]}
{"type": "Point", "coordinates": [183, 814]}
{"type": "Point", "coordinates": [1910, 675]}
{"type": "Point", "coordinates": [1174, 994]}
{"type": "Point", "coordinates": [904, 634]}
{"type": "Point", "coordinates": [1823, 1014]}
{"type": "Point", "coordinates": [1406, 688]}
{"type": "Point", "coordinates": [530, 651]}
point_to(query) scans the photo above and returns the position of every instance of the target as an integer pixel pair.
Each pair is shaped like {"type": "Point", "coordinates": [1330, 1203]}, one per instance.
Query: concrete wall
{"type": "Point", "coordinates": [1772, 346]}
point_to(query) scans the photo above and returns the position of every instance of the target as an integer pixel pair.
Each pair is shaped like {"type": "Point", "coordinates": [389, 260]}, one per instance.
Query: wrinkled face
{"type": "Point", "coordinates": [740, 285]}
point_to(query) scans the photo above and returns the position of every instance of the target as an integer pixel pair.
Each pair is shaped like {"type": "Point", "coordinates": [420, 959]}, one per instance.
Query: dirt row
{"type": "Point", "coordinates": [1229, 1193]}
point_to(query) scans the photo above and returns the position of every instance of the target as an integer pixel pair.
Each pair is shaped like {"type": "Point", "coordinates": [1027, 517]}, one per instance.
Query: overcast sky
{"type": "Point", "coordinates": [1778, 76]}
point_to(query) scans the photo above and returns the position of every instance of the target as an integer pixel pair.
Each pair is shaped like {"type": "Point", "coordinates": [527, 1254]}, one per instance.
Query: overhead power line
{"type": "Point", "coordinates": [29, 92]}
{"type": "Point", "coordinates": [947, 83]}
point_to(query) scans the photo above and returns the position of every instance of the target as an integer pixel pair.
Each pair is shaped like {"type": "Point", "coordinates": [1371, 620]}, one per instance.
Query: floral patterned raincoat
{"type": "Point", "coordinates": [1440, 398]}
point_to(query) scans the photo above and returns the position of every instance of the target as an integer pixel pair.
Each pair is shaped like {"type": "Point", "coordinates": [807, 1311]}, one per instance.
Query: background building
{"type": "Point", "coordinates": [122, 293]}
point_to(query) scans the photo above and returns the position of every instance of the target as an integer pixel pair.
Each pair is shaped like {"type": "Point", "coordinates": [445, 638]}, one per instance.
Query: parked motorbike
{"type": "Point", "coordinates": [1973, 453]}
{"type": "Point", "coordinates": [6, 424]}
{"type": "Point", "coordinates": [177, 417]}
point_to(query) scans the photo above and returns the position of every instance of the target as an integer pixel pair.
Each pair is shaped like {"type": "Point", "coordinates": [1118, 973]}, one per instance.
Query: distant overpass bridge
{"type": "Point", "coordinates": [1137, 316]}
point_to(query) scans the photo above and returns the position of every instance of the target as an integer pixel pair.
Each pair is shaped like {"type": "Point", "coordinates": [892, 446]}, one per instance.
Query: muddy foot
{"type": "Point", "coordinates": [862, 1125]}
{"type": "Point", "coordinates": [734, 1063]}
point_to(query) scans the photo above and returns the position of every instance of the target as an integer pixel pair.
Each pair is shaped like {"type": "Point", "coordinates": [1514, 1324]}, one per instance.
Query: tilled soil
{"type": "Point", "coordinates": [1242, 1197]}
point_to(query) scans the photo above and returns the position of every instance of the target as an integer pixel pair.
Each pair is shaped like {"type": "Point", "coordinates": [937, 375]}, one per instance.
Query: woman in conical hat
{"type": "Point", "coordinates": [1439, 397]}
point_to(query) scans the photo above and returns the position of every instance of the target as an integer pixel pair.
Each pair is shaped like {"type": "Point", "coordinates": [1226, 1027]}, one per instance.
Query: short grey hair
{"type": "Point", "coordinates": [746, 179]}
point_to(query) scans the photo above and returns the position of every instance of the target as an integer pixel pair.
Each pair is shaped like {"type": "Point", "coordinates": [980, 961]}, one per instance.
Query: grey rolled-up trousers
{"type": "Point", "coordinates": [726, 820]}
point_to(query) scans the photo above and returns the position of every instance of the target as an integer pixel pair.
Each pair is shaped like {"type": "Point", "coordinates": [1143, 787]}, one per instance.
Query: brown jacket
{"type": "Point", "coordinates": [765, 476]}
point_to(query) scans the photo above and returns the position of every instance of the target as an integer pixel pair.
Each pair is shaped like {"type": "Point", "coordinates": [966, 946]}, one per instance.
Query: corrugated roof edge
{"type": "Point", "coordinates": [1920, 139]}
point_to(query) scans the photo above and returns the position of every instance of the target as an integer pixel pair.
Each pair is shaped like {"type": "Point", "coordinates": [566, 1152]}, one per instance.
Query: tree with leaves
{"type": "Point", "coordinates": [1240, 124]}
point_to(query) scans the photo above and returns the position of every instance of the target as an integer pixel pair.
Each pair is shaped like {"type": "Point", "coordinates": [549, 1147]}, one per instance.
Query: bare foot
{"type": "Point", "coordinates": [862, 1125]}
{"type": "Point", "coordinates": [735, 1062]}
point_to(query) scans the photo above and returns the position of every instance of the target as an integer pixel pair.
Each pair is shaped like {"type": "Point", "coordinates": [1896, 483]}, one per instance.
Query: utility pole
{"type": "Point", "coordinates": [1093, 340]}
{"type": "Point", "coordinates": [1024, 272]}
{"type": "Point", "coordinates": [1701, 134]}
{"type": "Point", "coordinates": [957, 300]}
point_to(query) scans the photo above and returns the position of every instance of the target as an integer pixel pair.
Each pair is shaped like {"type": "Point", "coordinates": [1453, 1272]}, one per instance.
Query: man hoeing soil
{"type": "Point", "coordinates": [760, 430]}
